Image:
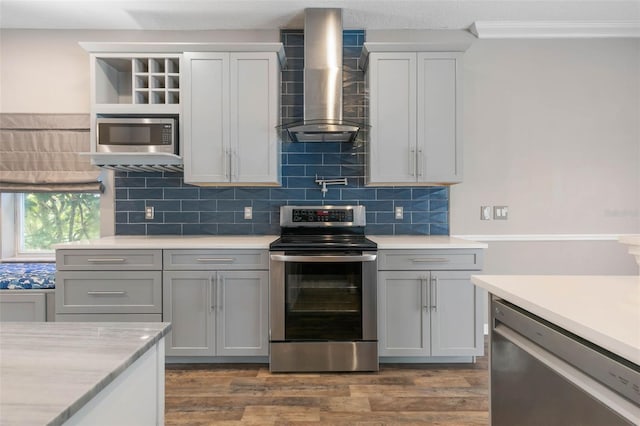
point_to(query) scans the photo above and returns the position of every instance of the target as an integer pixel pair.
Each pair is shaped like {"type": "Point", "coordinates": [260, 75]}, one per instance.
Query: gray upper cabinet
{"type": "Point", "coordinates": [231, 109]}
{"type": "Point", "coordinates": [415, 101]}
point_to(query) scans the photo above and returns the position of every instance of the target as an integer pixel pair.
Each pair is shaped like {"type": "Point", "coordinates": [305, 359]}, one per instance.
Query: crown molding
{"type": "Point", "coordinates": [555, 29]}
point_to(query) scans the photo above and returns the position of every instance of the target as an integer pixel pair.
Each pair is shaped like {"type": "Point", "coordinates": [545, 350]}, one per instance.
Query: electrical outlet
{"type": "Point", "coordinates": [399, 212]}
{"type": "Point", "coordinates": [248, 213]}
{"type": "Point", "coordinates": [485, 212]}
{"type": "Point", "coordinates": [148, 212]}
{"type": "Point", "coordinates": [500, 212]}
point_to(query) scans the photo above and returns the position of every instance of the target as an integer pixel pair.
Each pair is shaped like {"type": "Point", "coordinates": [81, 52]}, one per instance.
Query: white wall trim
{"type": "Point", "coordinates": [555, 29]}
{"type": "Point", "coordinates": [542, 237]}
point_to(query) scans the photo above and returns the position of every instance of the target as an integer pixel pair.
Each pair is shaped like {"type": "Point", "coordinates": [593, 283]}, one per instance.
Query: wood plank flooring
{"type": "Point", "coordinates": [399, 394]}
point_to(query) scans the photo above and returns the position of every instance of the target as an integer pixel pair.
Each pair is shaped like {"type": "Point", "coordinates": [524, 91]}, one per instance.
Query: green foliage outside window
{"type": "Point", "coordinates": [58, 218]}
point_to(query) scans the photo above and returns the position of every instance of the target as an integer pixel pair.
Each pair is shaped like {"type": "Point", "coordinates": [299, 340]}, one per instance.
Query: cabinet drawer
{"type": "Point", "coordinates": [431, 260]}
{"type": "Point", "coordinates": [109, 292]}
{"type": "Point", "coordinates": [109, 318]}
{"type": "Point", "coordinates": [215, 259]}
{"type": "Point", "coordinates": [109, 260]}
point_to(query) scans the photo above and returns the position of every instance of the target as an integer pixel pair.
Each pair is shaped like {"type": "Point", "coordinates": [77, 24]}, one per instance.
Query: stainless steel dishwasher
{"type": "Point", "coordinates": [543, 375]}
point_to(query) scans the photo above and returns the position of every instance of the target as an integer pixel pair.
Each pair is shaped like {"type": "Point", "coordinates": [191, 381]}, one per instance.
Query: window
{"type": "Point", "coordinates": [45, 219]}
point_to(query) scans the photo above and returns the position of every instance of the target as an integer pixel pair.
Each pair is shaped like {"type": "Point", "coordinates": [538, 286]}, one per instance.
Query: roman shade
{"type": "Point", "coordinates": [41, 153]}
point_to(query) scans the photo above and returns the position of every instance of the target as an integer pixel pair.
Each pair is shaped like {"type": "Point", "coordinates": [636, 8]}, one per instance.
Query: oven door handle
{"type": "Point", "coordinates": [315, 259]}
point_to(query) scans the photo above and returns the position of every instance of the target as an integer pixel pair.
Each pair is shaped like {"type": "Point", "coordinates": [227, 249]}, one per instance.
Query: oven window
{"type": "Point", "coordinates": [323, 301]}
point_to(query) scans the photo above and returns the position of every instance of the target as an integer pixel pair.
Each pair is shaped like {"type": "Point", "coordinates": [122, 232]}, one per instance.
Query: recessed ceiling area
{"type": "Point", "coordinates": [279, 14]}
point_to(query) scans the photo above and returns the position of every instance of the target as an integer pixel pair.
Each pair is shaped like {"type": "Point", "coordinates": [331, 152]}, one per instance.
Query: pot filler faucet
{"type": "Point", "coordinates": [324, 182]}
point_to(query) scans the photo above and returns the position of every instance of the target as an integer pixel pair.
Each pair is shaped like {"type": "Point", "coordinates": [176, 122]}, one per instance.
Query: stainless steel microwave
{"type": "Point", "coordinates": [135, 134]}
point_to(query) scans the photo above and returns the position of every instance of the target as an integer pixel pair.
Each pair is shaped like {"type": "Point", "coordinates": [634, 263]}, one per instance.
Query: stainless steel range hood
{"type": "Point", "coordinates": [322, 81]}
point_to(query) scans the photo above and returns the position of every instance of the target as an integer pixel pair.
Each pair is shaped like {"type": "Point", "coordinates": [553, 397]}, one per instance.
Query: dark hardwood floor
{"type": "Point", "coordinates": [407, 394]}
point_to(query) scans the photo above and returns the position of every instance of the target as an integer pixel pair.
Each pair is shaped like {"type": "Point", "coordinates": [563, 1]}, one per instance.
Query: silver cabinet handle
{"type": "Point", "coordinates": [425, 293]}
{"type": "Point", "coordinates": [212, 289]}
{"type": "Point", "coordinates": [362, 258]}
{"type": "Point", "coordinates": [106, 260]}
{"type": "Point", "coordinates": [430, 260]}
{"type": "Point", "coordinates": [419, 159]}
{"type": "Point", "coordinates": [106, 293]}
{"type": "Point", "coordinates": [227, 172]}
{"type": "Point", "coordinates": [216, 259]}
{"type": "Point", "coordinates": [220, 287]}
{"type": "Point", "coordinates": [434, 299]}
{"type": "Point", "coordinates": [412, 162]}
{"type": "Point", "coordinates": [235, 168]}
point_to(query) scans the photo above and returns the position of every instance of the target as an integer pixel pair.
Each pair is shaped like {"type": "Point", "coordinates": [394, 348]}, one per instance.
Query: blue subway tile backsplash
{"type": "Point", "coordinates": [183, 209]}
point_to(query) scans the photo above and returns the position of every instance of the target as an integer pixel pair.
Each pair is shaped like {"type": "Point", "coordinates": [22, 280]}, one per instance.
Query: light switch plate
{"type": "Point", "coordinates": [148, 212]}
{"type": "Point", "coordinates": [248, 213]}
{"type": "Point", "coordinates": [399, 212]}
{"type": "Point", "coordinates": [500, 212]}
{"type": "Point", "coordinates": [485, 212]}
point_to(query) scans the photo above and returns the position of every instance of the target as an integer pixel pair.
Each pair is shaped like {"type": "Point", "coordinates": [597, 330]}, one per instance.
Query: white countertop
{"type": "Point", "coordinates": [174, 242]}
{"type": "Point", "coordinates": [259, 242]}
{"type": "Point", "coordinates": [424, 242]}
{"type": "Point", "coordinates": [604, 310]}
{"type": "Point", "coordinates": [49, 370]}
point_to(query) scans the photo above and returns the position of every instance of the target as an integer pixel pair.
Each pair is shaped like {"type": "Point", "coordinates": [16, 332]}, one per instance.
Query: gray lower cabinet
{"type": "Point", "coordinates": [109, 285]}
{"type": "Point", "coordinates": [216, 313]}
{"type": "Point", "coordinates": [24, 306]}
{"type": "Point", "coordinates": [425, 312]}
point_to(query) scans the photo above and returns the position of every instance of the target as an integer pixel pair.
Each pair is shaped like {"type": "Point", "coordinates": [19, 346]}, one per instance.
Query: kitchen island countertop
{"type": "Point", "coordinates": [604, 310]}
{"type": "Point", "coordinates": [49, 371]}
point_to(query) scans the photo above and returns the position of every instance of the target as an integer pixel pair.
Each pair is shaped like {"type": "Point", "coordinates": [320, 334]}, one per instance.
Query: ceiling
{"type": "Point", "coordinates": [278, 14]}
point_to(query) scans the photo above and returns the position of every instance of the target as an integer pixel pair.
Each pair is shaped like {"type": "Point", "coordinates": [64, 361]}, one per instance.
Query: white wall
{"type": "Point", "coordinates": [43, 71]}
{"type": "Point", "coordinates": [552, 129]}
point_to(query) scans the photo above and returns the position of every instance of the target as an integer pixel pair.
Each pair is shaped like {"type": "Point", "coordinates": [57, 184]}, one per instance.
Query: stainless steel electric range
{"type": "Point", "coordinates": [323, 291]}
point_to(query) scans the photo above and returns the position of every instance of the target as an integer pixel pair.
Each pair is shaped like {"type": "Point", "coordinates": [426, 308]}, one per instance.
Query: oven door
{"type": "Point", "coordinates": [322, 314]}
{"type": "Point", "coordinates": [323, 297]}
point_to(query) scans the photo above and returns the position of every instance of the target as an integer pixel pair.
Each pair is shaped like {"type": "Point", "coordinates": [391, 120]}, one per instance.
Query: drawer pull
{"type": "Point", "coordinates": [430, 260]}
{"type": "Point", "coordinates": [216, 259]}
{"type": "Point", "coordinates": [107, 293]}
{"type": "Point", "coordinates": [107, 260]}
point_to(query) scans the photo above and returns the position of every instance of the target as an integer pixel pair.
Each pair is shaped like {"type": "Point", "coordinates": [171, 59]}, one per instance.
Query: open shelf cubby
{"type": "Point", "coordinates": [137, 80]}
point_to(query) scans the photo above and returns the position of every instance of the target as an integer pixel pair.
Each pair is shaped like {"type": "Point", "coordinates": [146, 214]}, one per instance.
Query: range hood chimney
{"type": "Point", "coordinates": [322, 81]}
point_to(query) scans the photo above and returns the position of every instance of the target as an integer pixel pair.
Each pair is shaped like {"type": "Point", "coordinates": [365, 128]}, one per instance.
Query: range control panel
{"type": "Point", "coordinates": [320, 216]}
{"type": "Point", "coordinates": [323, 215]}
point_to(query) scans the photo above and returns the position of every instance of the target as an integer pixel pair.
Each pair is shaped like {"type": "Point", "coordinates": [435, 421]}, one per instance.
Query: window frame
{"type": "Point", "coordinates": [9, 236]}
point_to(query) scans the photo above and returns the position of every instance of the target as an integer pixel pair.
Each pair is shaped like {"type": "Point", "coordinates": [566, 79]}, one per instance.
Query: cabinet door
{"type": "Point", "coordinates": [439, 113]}
{"type": "Point", "coordinates": [456, 328]}
{"type": "Point", "coordinates": [254, 109]}
{"type": "Point", "coordinates": [28, 306]}
{"type": "Point", "coordinates": [205, 142]}
{"type": "Point", "coordinates": [188, 303]}
{"type": "Point", "coordinates": [242, 313]}
{"type": "Point", "coordinates": [391, 78]}
{"type": "Point", "coordinates": [403, 313]}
